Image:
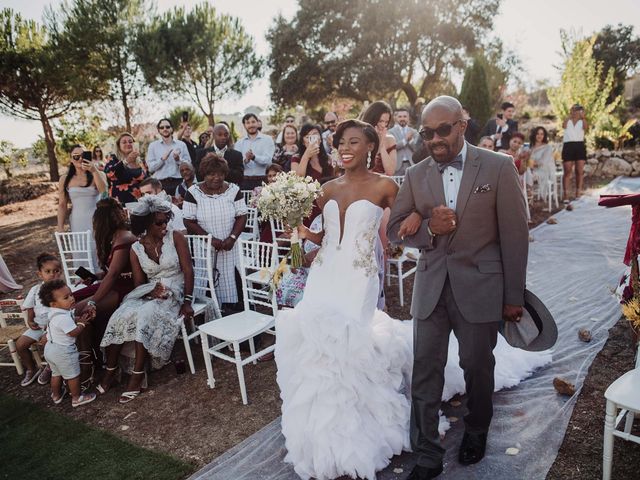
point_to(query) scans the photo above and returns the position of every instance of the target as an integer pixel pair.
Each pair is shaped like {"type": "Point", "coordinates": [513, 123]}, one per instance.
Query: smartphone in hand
{"type": "Point", "coordinates": [85, 274]}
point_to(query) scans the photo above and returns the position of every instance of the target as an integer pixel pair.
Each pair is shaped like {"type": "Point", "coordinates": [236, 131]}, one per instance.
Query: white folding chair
{"type": "Point", "coordinates": [246, 325]}
{"type": "Point", "coordinates": [75, 251]}
{"type": "Point", "coordinates": [201, 251]}
{"type": "Point", "coordinates": [13, 321]}
{"type": "Point", "coordinates": [248, 196]}
{"type": "Point", "coordinates": [250, 231]}
{"type": "Point", "coordinates": [559, 181]}
{"type": "Point", "coordinates": [283, 244]}
{"type": "Point", "coordinates": [623, 395]}
{"type": "Point", "coordinates": [398, 179]}
{"type": "Point", "coordinates": [409, 255]}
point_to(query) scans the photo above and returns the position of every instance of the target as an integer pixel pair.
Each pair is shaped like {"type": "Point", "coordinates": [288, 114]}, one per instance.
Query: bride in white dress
{"type": "Point", "coordinates": [344, 367]}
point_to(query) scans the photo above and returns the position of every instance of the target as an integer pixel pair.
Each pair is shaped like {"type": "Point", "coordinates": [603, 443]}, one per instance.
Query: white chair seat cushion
{"type": "Point", "coordinates": [625, 391]}
{"type": "Point", "coordinates": [260, 276]}
{"type": "Point", "coordinates": [239, 326]}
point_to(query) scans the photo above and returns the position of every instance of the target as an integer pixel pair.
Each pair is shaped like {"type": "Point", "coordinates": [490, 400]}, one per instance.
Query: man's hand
{"type": "Point", "coordinates": [443, 220]}
{"type": "Point", "coordinates": [410, 225]}
{"type": "Point", "coordinates": [409, 135]}
{"type": "Point", "coordinates": [501, 122]}
{"type": "Point", "coordinates": [512, 313]}
{"type": "Point", "coordinates": [249, 156]}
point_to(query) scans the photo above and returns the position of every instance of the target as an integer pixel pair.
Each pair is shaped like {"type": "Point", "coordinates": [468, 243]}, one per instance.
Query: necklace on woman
{"type": "Point", "coordinates": [156, 246]}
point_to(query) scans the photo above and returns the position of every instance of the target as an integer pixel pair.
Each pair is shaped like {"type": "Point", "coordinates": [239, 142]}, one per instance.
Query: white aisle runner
{"type": "Point", "coordinates": [573, 267]}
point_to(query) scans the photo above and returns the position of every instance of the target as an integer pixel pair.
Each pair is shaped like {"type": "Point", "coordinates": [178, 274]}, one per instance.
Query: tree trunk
{"type": "Point", "coordinates": [210, 118]}
{"type": "Point", "coordinates": [124, 97]}
{"type": "Point", "coordinates": [125, 104]}
{"type": "Point", "coordinates": [50, 142]}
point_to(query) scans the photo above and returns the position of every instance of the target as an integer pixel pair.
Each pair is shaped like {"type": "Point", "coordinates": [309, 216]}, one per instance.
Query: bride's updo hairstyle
{"type": "Point", "coordinates": [369, 132]}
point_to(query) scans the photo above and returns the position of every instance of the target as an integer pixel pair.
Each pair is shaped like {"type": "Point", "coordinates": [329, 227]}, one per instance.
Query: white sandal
{"type": "Point", "coordinates": [126, 397]}
{"type": "Point", "coordinates": [102, 390]}
{"type": "Point", "coordinates": [83, 399]}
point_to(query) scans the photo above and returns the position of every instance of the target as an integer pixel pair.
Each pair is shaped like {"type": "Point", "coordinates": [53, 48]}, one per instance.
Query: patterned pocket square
{"type": "Point", "coordinates": [482, 188]}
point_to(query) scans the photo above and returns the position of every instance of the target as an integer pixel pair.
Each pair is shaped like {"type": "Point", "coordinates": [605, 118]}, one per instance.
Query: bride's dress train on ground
{"type": "Point", "coordinates": [344, 367]}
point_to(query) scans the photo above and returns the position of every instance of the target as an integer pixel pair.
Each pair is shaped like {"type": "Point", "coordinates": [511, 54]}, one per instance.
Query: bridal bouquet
{"type": "Point", "coordinates": [289, 199]}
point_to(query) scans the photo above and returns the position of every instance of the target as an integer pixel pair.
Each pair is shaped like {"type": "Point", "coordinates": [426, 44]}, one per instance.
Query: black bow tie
{"type": "Point", "coordinates": [455, 163]}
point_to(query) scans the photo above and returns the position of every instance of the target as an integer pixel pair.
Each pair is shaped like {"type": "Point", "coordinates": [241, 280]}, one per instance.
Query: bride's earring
{"type": "Point", "coordinates": [369, 160]}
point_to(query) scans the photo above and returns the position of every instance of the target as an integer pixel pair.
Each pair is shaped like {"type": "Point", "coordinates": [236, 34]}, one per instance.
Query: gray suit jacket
{"type": "Point", "coordinates": [485, 258]}
{"type": "Point", "coordinates": [405, 149]}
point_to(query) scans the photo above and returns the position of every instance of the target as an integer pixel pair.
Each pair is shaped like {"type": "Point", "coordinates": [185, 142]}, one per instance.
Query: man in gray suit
{"type": "Point", "coordinates": [473, 238]}
{"type": "Point", "coordinates": [407, 140]}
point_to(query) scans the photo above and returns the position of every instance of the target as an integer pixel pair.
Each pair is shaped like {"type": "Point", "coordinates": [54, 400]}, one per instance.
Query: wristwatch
{"type": "Point", "coordinates": [233, 236]}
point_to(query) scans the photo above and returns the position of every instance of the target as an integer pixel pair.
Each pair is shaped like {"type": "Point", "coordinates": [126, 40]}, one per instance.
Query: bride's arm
{"type": "Point", "coordinates": [305, 233]}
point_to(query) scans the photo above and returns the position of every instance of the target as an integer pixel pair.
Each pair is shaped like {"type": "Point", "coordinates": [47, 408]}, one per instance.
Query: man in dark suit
{"type": "Point", "coordinates": [474, 241]}
{"type": "Point", "coordinates": [219, 145]}
{"type": "Point", "coordinates": [502, 126]}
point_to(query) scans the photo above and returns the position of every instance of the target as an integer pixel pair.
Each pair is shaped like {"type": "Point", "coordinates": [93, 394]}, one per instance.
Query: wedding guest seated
{"type": "Point", "coordinates": [49, 268]}
{"type": "Point", "coordinates": [487, 143]}
{"type": "Point", "coordinates": [149, 318]}
{"type": "Point", "coordinates": [188, 174]}
{"type": "Point", "coordinates": [520, 157]}
{"type": "Point", "coordinates": [153, 186]}
{"type": "Point", "coordinates": [265, 227]}
{"type": "Point", "coordinates": [217, 207]}
{"type": "Point", "coordinates": [113, 243]}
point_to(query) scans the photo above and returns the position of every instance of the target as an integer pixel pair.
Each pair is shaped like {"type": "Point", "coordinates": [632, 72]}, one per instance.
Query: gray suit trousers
{"type": "Point", "coordinates": [431, 347]}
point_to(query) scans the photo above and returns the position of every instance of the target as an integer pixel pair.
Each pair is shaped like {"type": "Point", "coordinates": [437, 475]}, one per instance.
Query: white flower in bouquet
{"type": "Point", "coordinates": [289, 199]}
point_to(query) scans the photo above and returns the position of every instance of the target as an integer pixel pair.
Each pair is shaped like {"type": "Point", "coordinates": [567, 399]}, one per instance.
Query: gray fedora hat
{"type": "Point", "coordinates": [536, 330]}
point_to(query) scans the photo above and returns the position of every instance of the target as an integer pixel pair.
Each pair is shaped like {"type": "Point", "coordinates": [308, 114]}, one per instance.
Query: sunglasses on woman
{"type": "Point", "coordinates": [443, 130]}
{"type": "Point", "coordinates": [76, 157]}
{"type": "Point", "coordinates": [160, 223]}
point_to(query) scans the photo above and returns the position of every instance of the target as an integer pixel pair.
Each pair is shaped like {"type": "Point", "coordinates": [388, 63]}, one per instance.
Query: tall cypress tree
{"type": "Point", "coordinates": [474, 94]}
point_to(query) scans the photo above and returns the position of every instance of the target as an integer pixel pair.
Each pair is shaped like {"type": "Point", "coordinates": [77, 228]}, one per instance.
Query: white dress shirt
{"type": "Point", "coordinates": [263, 149]}
{"type": "Point", "coordinates": [451, 178]}
{"type": "Point", "coordinates": [169, 168]}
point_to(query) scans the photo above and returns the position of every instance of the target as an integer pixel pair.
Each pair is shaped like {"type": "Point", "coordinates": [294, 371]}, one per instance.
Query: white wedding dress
{"type": "Point", "coordinates": [344, 367]}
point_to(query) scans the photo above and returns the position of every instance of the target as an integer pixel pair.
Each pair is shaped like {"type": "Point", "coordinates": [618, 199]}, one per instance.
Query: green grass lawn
{"type": "Point", "coordinates": [38, 444]}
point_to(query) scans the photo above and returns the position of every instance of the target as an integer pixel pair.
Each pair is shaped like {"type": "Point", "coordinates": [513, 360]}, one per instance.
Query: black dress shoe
{"type": "Point", "coordinates": [424, 473]}
{"type": "Point", "coordinates": [472, 448]}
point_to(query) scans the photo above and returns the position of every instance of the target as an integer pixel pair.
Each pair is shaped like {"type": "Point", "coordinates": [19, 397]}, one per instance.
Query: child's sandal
{"type": "Point", "coordinates": [63, 393]}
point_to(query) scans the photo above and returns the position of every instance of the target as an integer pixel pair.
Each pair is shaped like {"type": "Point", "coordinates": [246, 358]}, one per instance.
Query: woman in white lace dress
{"type": "Point", "coordinates": [544, 166]}
{"type": "Point", "coordinates": [151, 315]}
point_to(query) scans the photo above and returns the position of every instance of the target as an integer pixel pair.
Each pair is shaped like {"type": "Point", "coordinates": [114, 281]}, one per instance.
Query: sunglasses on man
{"type": "Point", "coordinates": [443, 130]}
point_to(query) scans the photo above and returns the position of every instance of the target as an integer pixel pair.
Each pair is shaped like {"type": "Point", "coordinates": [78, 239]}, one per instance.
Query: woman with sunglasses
{"type": "Point", "coordinates": [97, 156]}
{"type": "Point", "coordinates": [82, 186]}
{"type": "Point", "coordinates": [149, 318]}
{"type": "Point", "coordinates": [217, 207]}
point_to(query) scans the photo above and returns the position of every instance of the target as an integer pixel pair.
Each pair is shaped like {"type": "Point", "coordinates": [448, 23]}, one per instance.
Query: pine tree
{"type": "Point", "coordinates": [474, 94]}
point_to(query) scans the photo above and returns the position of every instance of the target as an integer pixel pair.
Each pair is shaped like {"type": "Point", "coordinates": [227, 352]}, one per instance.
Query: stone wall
{"type": "Point", "coordinates": [612, 163]}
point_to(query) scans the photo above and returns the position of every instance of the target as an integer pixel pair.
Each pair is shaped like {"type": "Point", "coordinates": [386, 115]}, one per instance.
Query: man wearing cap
{"type": "Point", "coordinates": [471, 222]}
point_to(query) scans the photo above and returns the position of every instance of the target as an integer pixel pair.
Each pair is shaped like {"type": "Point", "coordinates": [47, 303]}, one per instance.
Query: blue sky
{"type": "Point", "coordinates": [532, 29]}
